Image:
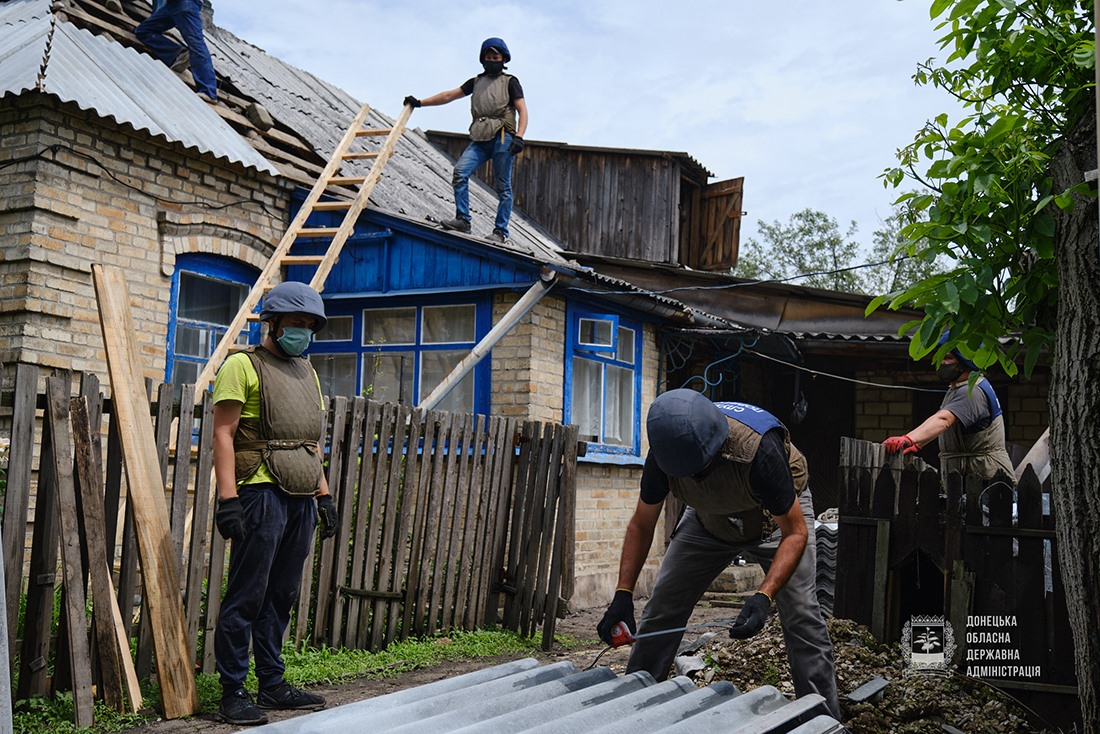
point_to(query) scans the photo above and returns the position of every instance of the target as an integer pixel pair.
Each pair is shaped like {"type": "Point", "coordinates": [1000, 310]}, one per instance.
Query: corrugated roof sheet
{"type": "Point", "coordinates": [39, 51]}
{"type": "Point", "coordinates": [523, 696]}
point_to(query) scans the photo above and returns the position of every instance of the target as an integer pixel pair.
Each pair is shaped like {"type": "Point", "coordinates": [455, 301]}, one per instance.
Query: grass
{"type": "Point", "coordinates": [303, 668]}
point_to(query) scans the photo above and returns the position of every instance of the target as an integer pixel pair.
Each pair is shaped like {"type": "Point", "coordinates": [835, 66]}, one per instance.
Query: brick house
{"type": "Point", "coordinates": [108, 156]}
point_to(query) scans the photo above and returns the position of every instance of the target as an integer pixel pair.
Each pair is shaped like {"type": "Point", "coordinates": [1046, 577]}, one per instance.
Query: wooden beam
{"type": "Point", "coordinates": [160, 570]}
{"type": "Point", "coordinates": [118, 682]}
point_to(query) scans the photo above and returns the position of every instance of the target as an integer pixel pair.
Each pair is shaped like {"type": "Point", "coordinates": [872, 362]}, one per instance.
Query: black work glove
{"type": "Point", "coordinates": [752, 617]}
{"type": "Point", "coordinates": [412, 101]}
{"type": "Point", "coordinates": [327, 515]}
{"type": "Point", "coordinates": [620, 610]}
{"type": "Point", "coordinates": [517, 145]}
{"type": "Point", "coordinates": [230, 518]}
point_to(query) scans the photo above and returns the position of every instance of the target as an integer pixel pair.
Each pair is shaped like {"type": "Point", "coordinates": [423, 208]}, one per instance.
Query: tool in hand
{"type": "Point", "coordinates": [620, 633]}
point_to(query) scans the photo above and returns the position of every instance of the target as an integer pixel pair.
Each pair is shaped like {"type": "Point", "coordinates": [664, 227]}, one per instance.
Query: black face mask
{"type": "Point", "coordinates": [493, 67]}
{"type": "Point", "coordinates": [949, 372]}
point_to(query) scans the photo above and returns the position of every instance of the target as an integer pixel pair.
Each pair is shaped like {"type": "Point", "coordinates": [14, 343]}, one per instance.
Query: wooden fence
{"type": "Point", "coordinates": [906, 546]}
{"type": "Point", "coordinates": [447, 521]}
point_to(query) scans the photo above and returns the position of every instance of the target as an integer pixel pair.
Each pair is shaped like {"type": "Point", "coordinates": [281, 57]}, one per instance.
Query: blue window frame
{"type": "Point", "coordinates": [207, 292]}
{"type": "Point", "coordinates": [603, 379]}
{"type": "Point", "coordinates": [401, 349]}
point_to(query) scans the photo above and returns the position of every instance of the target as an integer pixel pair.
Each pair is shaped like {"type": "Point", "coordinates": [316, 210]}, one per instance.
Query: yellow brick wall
{"type": "Point", "coordinates": [108, 197]}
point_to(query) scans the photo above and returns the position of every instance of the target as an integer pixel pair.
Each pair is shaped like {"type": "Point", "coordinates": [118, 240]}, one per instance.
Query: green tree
{"type": "Point", "coordinates": [898, 270]}
{"type": "Point", "coordinates": [1008, 208]}
{"type": "Point", "coordinates": [809, 243]}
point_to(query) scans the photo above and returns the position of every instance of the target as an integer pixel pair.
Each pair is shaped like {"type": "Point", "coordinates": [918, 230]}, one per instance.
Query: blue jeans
{"type": "Point", "coordinates": [476, 153]}
{"type": "Point", "coordinates": [265, 572]}
{"type": "Point", "coordinates": [185, 15]}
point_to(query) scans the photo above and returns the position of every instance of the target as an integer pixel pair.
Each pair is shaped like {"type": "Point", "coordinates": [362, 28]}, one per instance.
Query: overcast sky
{"type": "Point", "coordinates": [807, 99]}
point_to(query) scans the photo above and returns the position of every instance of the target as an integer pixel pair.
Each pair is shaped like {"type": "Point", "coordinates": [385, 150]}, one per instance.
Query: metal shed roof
{"type": "Point", "coordinates": [41, 52]}
{"type": "Point", "coordinates": [523, 696]}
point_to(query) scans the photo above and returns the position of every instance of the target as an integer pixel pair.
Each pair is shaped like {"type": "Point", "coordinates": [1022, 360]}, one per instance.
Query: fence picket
{"type": "Point", "coordinates": [391, 499]}
{"type": "Point", "coordinates": [342, 475]}
{"type": "Point", "coordinates": [17, 493]}
{"type": "Point", "coordinates": [407, 514]}
{"type": "Point", "coordinates": [200, 517]}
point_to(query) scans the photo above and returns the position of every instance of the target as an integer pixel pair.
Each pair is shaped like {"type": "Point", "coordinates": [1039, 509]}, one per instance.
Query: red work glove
{"type": "Point", "coordinates": [904, 444]}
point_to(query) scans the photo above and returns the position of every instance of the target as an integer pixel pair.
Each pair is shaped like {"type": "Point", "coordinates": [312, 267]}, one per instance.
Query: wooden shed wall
{"type": "Point", "coordinates": [601, 203]}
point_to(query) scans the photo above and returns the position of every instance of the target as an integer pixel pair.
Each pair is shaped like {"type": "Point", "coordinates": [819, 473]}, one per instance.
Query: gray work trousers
{"type": "Point", "coordinates": [694, 559]}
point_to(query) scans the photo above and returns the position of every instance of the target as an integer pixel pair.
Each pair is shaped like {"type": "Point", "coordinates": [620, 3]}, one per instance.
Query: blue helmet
{"type": "Point", "coordinates": [294, 297]}
{"type": "Point", "coordinates": [969, 364]}
{"type": "Point", "coordinates": [499, 45]}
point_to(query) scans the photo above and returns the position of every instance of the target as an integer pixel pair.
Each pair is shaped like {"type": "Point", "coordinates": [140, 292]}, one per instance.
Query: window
{"type": "Point", "coordinates": [401, 353]}
{"type": "Point", "coordinates": [603, 380]}
{"type": "Point", "coordinates": [207, 292]}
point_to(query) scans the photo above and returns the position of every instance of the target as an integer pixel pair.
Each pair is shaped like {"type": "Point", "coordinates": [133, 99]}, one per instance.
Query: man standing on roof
{"type": "Point", "coordinates": [186, 17]}
{"type": "Point", "coordinates": [969, 424]}
{"type": "Point", "coordinates": [731, 464]}
{"type": "Point", "coordinates": [268, 417]}
{"type": "Point", "coordinates": [496, 101]}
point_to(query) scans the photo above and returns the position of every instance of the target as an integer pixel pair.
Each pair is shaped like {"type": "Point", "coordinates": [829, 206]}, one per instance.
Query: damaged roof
{"type": "Point", "coordinates": [523, 696]}
{"type": "Point", "coordinates": [42, 51]}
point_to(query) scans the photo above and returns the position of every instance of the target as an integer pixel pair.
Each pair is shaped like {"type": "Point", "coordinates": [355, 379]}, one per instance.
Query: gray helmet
{"type": "Point", "coordinates": [293, 297]}
{"type": "Point", "coordinates": [686, 431]}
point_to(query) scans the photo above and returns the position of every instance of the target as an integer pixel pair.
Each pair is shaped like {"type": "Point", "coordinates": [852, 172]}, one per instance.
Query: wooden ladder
{"type": "Point", "coordinates": [297, 229]}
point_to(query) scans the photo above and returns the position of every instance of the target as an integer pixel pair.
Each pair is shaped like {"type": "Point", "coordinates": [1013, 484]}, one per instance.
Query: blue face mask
{"type": "Point", "coordinates": [295, 339]}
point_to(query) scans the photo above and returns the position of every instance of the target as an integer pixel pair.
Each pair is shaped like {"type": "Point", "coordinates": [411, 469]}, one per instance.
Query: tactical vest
{"type": "Point", "coordinates": [284, 438]}
{"type": "Point", "coordinates": [723, 500]}
{"type": "Point", "coordinates": [490, 108]}
{"type": "Point", "coordinates": [982, 453]}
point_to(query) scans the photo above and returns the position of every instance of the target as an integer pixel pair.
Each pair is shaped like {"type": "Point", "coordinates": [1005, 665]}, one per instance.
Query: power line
{"type": "Point", "coordinates": [841, 377]}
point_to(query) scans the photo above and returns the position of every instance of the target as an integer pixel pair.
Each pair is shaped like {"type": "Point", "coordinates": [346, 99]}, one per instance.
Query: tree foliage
{"type": "Point", "coordinates": [1023, 73]}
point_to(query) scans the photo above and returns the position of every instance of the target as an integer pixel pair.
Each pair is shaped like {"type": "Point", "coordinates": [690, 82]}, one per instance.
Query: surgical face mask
{"type": "Point", "coordinates": [295, 339]}
{"type": "Point", "coordinates": [493, 67]}
{"type": "Point", "coordinates": [949, 372]}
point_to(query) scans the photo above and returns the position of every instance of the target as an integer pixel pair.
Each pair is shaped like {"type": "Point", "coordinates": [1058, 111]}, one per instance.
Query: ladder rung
{"type": "Point", "coordinates": [253, 317]}
{"type": "Point", "coordinates": [330, 206]}
{"type": "Point", "coordinates": [360, 156]}
{"type": "Point", "coordinates": [301, 259]}
{"type": "Point", "coordinates": [346, 180]}
{"type": "Point", "coordinates": [318, 231]}
{"type": "Point", "coordinates": [374, 132]}
{"type": "Point", "coordinates": [234, 348]}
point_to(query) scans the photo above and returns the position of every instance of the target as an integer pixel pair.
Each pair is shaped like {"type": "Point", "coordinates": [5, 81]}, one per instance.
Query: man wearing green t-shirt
{"type": "Point", "coordinates": [268, 418]}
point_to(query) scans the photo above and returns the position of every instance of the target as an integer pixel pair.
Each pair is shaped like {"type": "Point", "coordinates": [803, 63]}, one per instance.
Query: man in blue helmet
{"type": "Point", "coordinates": [969, 424]}
{"type": "Point", "coordinates": [496, 133]}
{"type": "Point", "coordinates": [268, 418]}
{"type": "Point", "coordinates": [732, 465]}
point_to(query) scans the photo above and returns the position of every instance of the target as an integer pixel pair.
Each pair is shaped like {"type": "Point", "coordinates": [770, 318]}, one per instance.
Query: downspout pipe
{"type": "Point", "coordinates": [534, 294]}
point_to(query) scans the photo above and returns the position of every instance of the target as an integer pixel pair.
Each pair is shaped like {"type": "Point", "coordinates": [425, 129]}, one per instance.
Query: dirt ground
{"type": "Point", "coordinates": [912, 704]}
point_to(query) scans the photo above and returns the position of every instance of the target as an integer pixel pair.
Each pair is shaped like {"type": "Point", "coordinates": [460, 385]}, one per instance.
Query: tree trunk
{"type": "Point", "coordinates": [1074, 412]}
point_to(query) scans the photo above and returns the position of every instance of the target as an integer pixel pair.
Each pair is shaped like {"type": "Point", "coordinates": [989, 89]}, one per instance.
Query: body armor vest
{"type": "Point", "coordinates": [291, 418]}
{"type": "Point", "coordinates": [490, 108]}
{"type": "Point", "coordinates": [723, 500]}
{"type": "Point", "coordinates": [982, 453]}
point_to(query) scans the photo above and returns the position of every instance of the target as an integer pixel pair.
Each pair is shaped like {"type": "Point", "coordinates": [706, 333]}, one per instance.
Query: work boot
{"type": "Point", "coordinates": [498, 236]}
{"type": "Point", "coordinates": [458, 225]}
{"type": "Point", "coordinates": [237, 708]}
{"type": "Point", "coordinates": [182, 62]}
{"type": "Point", "coordinates": [286, 696]}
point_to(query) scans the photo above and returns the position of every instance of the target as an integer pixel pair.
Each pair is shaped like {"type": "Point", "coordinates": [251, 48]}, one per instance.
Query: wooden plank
{"type": "Point", "coordinates": [430, 567]}
{"type": "Point", "coordinates": [479, 590]}
{"type": "Point", "coordinates": [74, 612]}
{"type": "Point", "coordinates": [159, 569]}
{"type": "Point", "coordinates": [1030, 584]}
{"type": "Point", "coordinates": [341, 477]}
{"type": "Point", "coordinates": [414, 575]}
{"type": "Point", "coordinates": [527, 573]}
{"type": "Point", "coordinates": [474, 518]}
{"type": "Point", "coordinates": [360, 444]}
{"type": "Point", "coordinates": [17, 495]}
{"type": "Point", "coordinates": [409, 501]}
{"type": "Point", "coordinates": [563, 536]}
{"type": "Point", "coordinates": [181, 475]}
{"type": "Point", "coordinates": [569, 543]}
{"type": "Point", "coordinates": [456, 560]}
{"type": "Point", "coordinates": [373, 490]}
{"type": "Point", "coordinates": [541, 568]}
{"type": "Point", "coordinates": [385, 581]}
{"type": "Point", "coordinates": [515, 521]}
{"type": "Point", "coordinates": [201, 515]}
{"type": "Point", "coordinates": [213, 598]}
{"type": "Point", "coordinates": [118, 682]}
{"type": "Point", "coordinates": [38, 618]}
{"type": "Point", "coordinates": [880, 602]}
